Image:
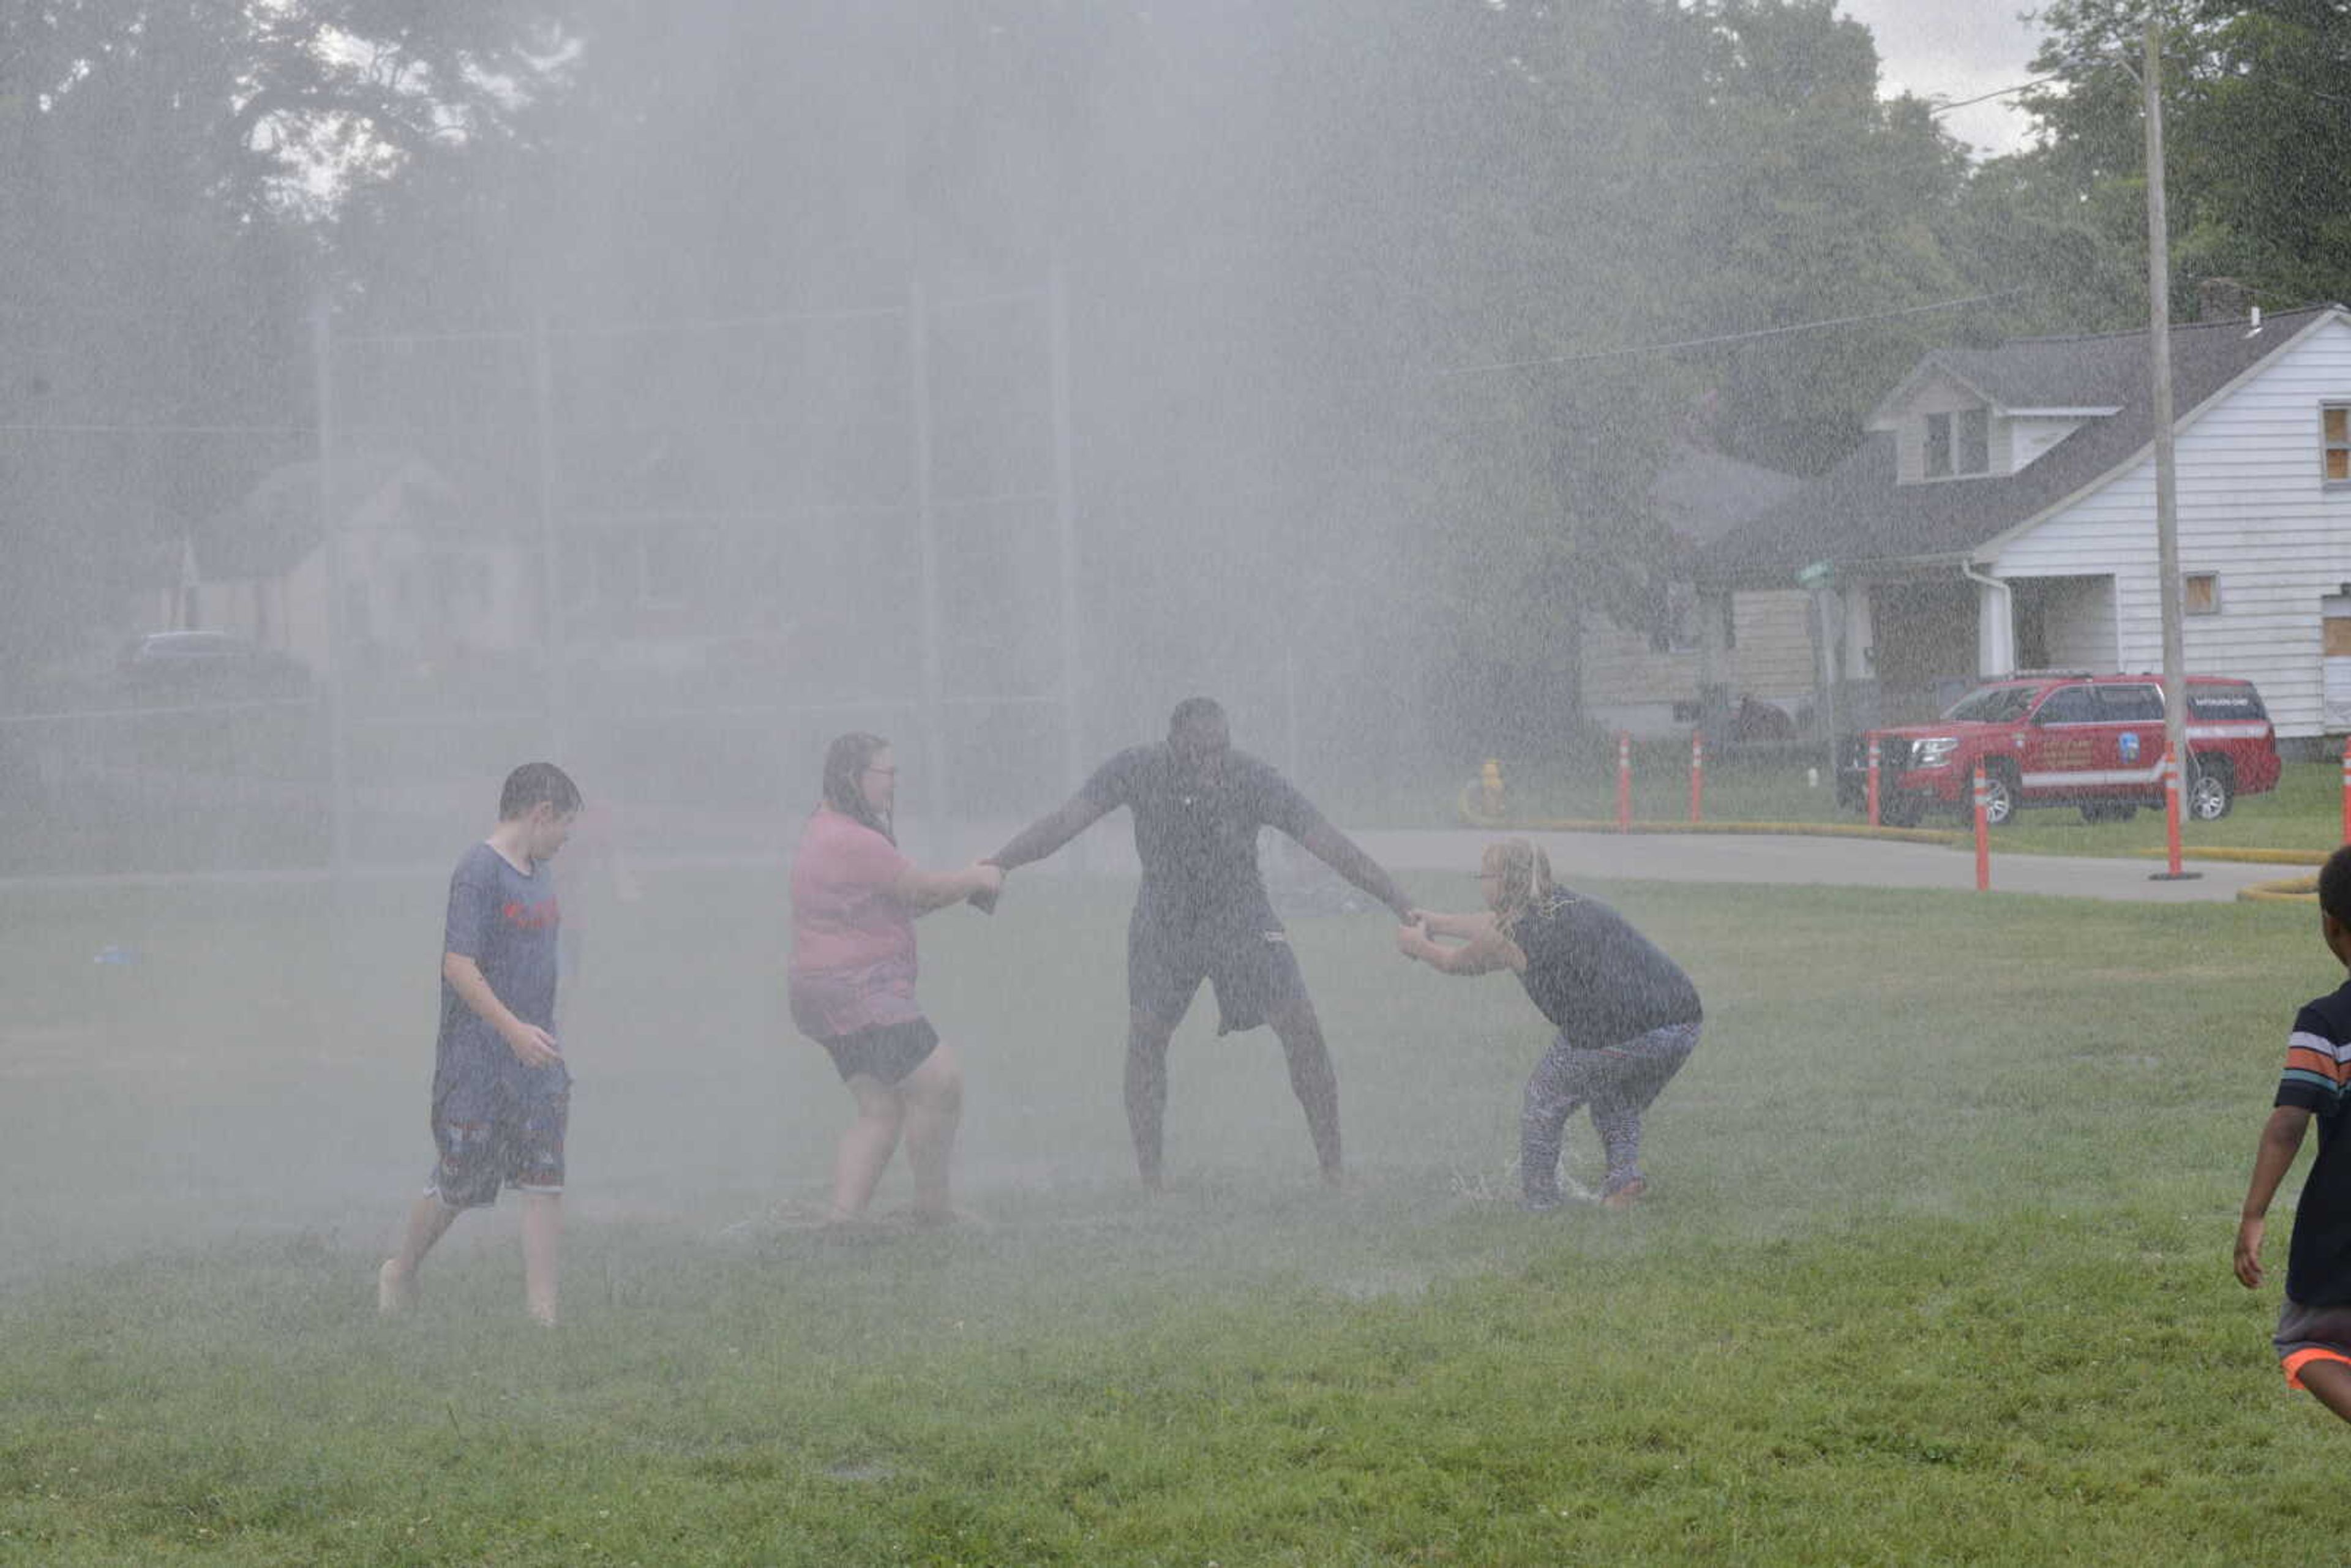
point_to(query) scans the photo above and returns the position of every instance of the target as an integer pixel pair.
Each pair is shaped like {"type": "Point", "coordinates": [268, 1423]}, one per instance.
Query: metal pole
{"type": "Point", "coordinates": [2158, 339]}
{"type": "Point", "coordinates": [550, 562]}
{"type": "Point", "coordinates": [918, 359]}
{"type": "Point", "coordinates": [1065, 521]}
{"type": "Point", "coordinates": [330, 525]}
{"type": "Point", "coordinates": [1293, 760]}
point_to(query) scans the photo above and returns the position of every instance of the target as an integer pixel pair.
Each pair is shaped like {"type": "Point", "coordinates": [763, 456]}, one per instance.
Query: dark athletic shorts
{"type": "Point", "coordinates": [1244, 955]}
{"type": "Point", "coordinates": [519, 1146]}
{"type": "Point", "coordinates": [2306, 1334]}
{"type": "Point", "coordinates": [888, 1052]}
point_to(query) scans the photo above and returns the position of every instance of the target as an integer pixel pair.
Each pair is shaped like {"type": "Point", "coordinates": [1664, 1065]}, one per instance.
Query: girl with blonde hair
{"type": "Point", "coordinates": [1626, 1015]}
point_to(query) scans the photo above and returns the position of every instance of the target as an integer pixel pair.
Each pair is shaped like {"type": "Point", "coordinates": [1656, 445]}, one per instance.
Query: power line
{"type": "Point", "coordinates": [1591, 354]}
{"type": "Point", "coordinates": [110, 429]}
{"type": "Point", "coordinates": [1939, 109]}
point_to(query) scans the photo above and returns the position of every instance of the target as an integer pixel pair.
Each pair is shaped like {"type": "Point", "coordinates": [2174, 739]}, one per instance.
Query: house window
{"type": "Point", "coordinates": [1959, 443]}
{"type": "Point", "coordinates": [1676, 628]}
{"type": "Point", "coordinates": [2335, 440]}
{"type": "Point", "coordinates": [1975, 441]}
{"type": "Point", "coordinates": [2199, 593]}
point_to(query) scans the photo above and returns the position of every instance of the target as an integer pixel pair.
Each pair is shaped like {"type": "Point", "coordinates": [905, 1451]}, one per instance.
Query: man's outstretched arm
{"type": "Point", "coordinates": [1337, 851]}
{"type": "Point", "coordinates": [1048, 833]}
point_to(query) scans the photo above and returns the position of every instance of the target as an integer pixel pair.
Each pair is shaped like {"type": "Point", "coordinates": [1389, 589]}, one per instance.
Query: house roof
{"type": "Point", "coordinates": [278, 523]}
{"type": "Point", "coordinates": [1856, 512]}
{"type": "Point", "coordinates": [1702, 494]}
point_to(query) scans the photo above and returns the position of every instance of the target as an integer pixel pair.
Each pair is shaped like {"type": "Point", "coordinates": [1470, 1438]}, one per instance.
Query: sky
{"type": "Point", "coordinates": [1954, 49]}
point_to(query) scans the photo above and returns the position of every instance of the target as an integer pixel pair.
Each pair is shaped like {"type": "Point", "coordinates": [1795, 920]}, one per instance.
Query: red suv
{"type": "Point", "coordinates": [2095, 742]}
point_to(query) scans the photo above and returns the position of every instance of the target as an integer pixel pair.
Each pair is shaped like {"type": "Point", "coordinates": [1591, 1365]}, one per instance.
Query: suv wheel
{"type": "Point", "coordinates": [2212, 790]}
{"type": "Point", "coordinates": [2000, 794]}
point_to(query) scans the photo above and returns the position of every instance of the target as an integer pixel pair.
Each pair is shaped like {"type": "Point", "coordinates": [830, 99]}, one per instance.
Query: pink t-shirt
{"type": "Point", "coordinates": [852, 963]}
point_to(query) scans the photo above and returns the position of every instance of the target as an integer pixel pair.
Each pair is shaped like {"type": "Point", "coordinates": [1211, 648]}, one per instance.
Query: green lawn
{"type": "Point", "coordinates": [1934, 1268]}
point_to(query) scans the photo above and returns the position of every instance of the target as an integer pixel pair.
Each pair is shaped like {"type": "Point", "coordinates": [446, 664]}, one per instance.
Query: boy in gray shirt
{"type": "Point", "coordinates": [501, 1095]}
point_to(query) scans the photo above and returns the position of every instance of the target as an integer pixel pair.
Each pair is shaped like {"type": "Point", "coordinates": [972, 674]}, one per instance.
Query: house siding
{"type": "Point", "coordinates": [2252, 507]}
{"type": "Point", "coordinates": [2083, 636]}
{"type": "Point", "coordinates": [1627, 683]}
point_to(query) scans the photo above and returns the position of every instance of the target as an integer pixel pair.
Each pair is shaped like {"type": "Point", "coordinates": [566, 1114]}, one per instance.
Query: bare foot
{"type": "Point", "coordinates": [543, 1314]}
{"type": "Point", "coordinates": [395, 1292]}
{"type": "Point", "coordinates": [1626, 1197]}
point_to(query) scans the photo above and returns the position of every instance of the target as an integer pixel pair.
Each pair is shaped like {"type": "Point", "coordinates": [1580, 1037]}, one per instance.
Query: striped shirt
{"type": "Point", "coordinates": [2318, 1075]}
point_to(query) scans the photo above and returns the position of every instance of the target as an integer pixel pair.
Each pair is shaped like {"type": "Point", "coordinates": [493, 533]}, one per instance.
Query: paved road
{"type": "Point", "coordinates": [1783, 861]}
{"type": "Point", "coordinates": [1825, 861]}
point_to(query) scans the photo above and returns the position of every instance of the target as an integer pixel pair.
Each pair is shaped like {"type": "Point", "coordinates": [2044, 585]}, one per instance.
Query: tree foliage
{"type": "Point", "coordinates": [2257, 140]}
{"type": "Point", "coordinates": [1367, 287]}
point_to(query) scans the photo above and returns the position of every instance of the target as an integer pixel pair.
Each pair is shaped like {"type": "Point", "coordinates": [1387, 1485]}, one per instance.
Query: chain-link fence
{"type": "Point", "coordinates": [676, 556]}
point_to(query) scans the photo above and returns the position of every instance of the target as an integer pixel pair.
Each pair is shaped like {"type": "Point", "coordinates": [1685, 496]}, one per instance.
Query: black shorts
{"type": "Point", "coordinates": [1244, 954]}
{"type": "Point", "coordinates": [519, 1144]}
{"type": "Point", "coordinates": [888, 1052]}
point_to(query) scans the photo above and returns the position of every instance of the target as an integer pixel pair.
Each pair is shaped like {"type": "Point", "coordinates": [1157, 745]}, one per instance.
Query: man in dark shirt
{"type": "Point", "coordinates": [1202, 912]}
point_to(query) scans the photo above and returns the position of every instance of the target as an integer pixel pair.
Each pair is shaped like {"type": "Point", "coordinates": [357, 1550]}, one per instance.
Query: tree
{"type": "Point", "coordinates": [161, 163]}
{"type": "Point", "coordinates": [2257, 183]}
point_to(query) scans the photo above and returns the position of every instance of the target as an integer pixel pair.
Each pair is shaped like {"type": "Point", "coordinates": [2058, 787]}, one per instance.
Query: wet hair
{"type": "Point", "coordinates": [534, 784]}
{"type": "Point", "coordinates": [1527, 886]}
{"type": "Point", "coordinates": [2335, 886]}
{"type": "Point", "coordinates": [1195, 710]}
{"type": "Point", "coordinates": [845, 761]}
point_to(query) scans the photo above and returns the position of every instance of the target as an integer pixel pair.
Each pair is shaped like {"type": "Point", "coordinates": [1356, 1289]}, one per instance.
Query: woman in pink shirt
{"type": "Point", "coordinates": [854, 903]}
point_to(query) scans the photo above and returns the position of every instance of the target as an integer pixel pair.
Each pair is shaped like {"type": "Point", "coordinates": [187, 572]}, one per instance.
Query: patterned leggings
{"type": "Point", "coordinates": [1618, 1081]}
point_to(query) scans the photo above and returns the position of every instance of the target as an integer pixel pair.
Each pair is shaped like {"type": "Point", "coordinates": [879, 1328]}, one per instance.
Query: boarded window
{"type": "Point", "coordinates": [2338, 636]}
{"type": "Point", "coordinates": [2199, 593]}
{"type": "Point", "coordinates": [2335, 440]}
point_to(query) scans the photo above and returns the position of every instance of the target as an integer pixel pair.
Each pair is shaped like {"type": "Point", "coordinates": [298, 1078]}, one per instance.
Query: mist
{"type": "Point", "coordinates": [665, 390]}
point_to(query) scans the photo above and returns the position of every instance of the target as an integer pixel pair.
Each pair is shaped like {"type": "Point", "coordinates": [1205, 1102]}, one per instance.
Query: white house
{"type": "Point", "coordinates": [427, 581]}
{"type": "Point", "coordinates": [1668, 678]}
{"type": "Point", "coordinates": [2000, 515]}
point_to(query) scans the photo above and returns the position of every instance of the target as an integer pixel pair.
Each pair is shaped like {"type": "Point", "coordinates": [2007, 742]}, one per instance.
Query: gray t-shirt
{"type": "Point", "coordinates": [509, 923]}
{"type": "Point", "coordinates": [1198, 842]}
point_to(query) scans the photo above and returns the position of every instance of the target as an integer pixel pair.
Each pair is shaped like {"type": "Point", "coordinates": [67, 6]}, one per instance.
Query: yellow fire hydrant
{"type": "Point", "coordinates": [1489, 784]}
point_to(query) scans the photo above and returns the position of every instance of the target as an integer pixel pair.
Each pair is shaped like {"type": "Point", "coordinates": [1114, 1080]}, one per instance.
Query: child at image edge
{"type": "Point", "coordinates": [501, 1094]}
{"type": "Point", "coordinates": [2313, 1331]}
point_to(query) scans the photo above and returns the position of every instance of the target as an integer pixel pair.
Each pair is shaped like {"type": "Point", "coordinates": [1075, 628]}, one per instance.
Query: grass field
{"type": "Point", "coordinates": [1934, 1268]}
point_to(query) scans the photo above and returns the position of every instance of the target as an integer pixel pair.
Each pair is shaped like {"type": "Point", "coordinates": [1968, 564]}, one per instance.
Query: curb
{"type": "Point", "coordinates": [1472, 817]}
{"type": "Point", "coordinates": [2245, 856]}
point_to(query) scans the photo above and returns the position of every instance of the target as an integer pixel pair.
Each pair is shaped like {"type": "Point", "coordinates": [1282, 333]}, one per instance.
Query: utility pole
{"type": "Point", "coordinates": [338, 630]}
{"type": "Point", "coordinates": [2158, 340]}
